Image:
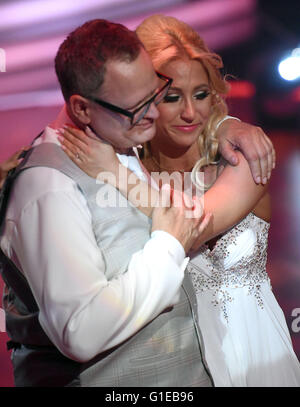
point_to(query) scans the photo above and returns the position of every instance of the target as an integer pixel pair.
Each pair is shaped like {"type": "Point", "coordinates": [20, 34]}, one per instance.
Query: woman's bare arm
{"type": "Point", "coordinates": [233, 195]}
{"type": "Point", "coordinates": [100, 161]}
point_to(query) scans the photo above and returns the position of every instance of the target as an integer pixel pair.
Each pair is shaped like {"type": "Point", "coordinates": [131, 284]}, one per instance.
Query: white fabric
{"type": "Point", "coordinates": [48, 234]}
{"type": "Point", "coordinates": [246, 338]}
{"type": "Point", "coordinates": [133, 164]}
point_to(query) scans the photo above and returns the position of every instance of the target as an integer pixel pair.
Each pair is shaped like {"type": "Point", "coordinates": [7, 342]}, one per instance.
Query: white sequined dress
{"type": "Point", "coordinates": [246, 338]}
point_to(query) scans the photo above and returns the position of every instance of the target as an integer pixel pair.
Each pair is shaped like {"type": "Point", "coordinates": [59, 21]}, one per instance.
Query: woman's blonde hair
{"type": "Point", "coordinates": [167, 39]}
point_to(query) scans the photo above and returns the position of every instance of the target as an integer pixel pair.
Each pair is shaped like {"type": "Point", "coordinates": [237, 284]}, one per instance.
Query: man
{"type": "Point", "coordinates": [104, 301]}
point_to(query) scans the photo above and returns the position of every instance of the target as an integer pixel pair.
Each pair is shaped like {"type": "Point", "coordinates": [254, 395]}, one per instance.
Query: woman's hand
{"type": "Point", "coordinates": [95, 157]}
{"type": "Point", "coordinates": [88, 152]}
{"type": "Point", "coordinates": [10, 163]}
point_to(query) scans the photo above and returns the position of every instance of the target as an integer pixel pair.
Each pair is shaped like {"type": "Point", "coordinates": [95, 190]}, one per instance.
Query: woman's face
{"type": "Point", "coordinates": [187, 106]}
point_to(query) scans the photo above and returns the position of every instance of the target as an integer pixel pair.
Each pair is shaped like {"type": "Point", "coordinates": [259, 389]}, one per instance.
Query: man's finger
{"type": "Point", "coordinates": [270, 160]}
{"type": "Point", "coordinates": [229, 153]}
{"type": "Point", "coordinates": [166, 196]}
{"type": "Point", "coordinates": [205, 222]}
{"type": "Point", "coordinates": [264, 165]}
{"type": "Point", "coordinates": [196, 211]}
{"type": "Point", "coordinates": [255, 168]}
{"type": "Point", "coordinates": [274, 158]}
{"type": "Point", "coordinates": [272, 152]}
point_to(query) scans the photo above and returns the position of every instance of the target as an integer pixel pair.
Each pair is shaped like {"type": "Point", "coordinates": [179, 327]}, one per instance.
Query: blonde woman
{"type": "Point", "coordinates": [246, 338]}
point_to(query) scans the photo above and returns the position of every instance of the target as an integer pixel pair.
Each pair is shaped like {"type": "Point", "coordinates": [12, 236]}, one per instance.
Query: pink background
{"type": "Point", "coordinates": [30, 33]}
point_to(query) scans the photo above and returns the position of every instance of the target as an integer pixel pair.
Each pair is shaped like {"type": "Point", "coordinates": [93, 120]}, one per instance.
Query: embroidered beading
{"type": "Point", "coordinates": [208, 271]}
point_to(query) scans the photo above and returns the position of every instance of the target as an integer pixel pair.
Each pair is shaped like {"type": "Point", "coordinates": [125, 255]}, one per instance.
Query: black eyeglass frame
{"type": "Point", "coordinates": [129, 114]}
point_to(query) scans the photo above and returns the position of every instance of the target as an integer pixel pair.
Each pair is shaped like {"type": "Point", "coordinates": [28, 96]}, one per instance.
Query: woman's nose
{"type": "Point", "coordinates": [188, 111]}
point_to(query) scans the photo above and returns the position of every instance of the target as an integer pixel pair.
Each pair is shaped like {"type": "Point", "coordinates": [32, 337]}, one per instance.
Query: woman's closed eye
{"type": "Point", "coordinates": [173, 97]}
{"type": "Point", "coordinates": [202, 94]}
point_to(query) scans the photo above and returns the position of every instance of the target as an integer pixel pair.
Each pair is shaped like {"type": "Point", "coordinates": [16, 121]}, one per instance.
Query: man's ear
{"type": "Point", "coordinates": [79, 108]}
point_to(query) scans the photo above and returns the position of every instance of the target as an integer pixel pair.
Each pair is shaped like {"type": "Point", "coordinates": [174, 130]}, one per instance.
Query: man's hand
{"type": "Point", "coordinates": [173, 215]}
{"type": "Point", "coordinates": [252, 142]}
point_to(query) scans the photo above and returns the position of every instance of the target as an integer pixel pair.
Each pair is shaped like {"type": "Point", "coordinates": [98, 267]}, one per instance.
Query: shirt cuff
{"type": "Point", "coordinates": [173, 246]}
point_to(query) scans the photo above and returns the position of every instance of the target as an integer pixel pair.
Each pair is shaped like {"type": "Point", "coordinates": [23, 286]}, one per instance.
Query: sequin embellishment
{"type": "Point", "coordinates": [208, 271]}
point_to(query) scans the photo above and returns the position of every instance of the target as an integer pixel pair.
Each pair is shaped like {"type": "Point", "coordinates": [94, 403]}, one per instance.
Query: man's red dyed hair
{"type": "Point", "coordinates": [81, 58]}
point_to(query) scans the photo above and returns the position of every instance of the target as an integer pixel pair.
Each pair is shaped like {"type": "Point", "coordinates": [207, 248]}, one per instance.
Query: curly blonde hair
{"type": "Point", "coordinates": [167, 39]}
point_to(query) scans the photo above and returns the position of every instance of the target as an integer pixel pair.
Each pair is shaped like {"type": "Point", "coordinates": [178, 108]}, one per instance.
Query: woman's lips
{"type": "Point", "coordinates": [188, 128]}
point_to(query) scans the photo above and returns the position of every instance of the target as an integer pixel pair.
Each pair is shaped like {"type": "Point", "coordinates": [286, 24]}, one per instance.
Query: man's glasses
{"type": "Point", "coordinates": [138, 114]}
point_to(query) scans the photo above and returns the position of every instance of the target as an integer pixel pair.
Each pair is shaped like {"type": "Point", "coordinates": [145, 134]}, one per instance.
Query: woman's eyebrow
{"type": "Point", "coordinates": [175, 88]}
{"type": "Point", "coordinates": [198, 87]}
{"type": "Point", "coordinates": [202, 86]}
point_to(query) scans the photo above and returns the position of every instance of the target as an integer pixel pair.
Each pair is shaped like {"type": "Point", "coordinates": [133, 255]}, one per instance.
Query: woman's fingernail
{"type": "Point", "coordinates": [258, 180]}
{"type": "Point", "coordinates": [89, 131]}
{"type": "Point", "coordinates": [265, 180]}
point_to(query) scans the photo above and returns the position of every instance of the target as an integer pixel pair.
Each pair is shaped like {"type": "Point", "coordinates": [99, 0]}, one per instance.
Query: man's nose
{"type": "Point", "coordinates": [153, 112]}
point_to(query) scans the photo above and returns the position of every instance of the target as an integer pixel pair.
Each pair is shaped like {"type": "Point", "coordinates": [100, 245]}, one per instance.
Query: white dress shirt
{"type": "Point", "coordinates": [49, 236]}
